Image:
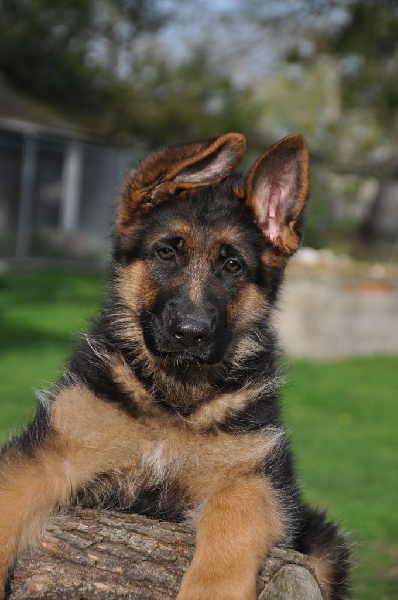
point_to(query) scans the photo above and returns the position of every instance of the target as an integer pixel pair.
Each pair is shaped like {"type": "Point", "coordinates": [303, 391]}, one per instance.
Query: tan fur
{"type": "Point", "coordinates": [227, 235]}
{"type": "Point", "coordinates": [247, 307]}
{"type": "Point", "coordinates": [85, 424]}
{"type": "Point", "coordinates": [125, 377]}
{"type": "Point", "coordinates": [31, 488]}
{"type": "Point", "coordinates": [197, 278]}
{"type": "Point", "coordinates": [131, 281]}
{"type": "Point", "coordinates": [274, 259]}
{"type": "Point", "coordinates": [323, 571]}
{"type": "Point", "coordinates": [229, 549]}
{"type": "Point", "coordinates": [214, 412]}
{"type": "Point", "coordinates": [180, 229]}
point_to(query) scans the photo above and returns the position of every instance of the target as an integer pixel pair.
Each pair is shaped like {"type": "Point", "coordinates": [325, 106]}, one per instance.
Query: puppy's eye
{"type": "Point", "coordinates": [165, 253]}
{"type": "Point", "coordinates": [232, 265]}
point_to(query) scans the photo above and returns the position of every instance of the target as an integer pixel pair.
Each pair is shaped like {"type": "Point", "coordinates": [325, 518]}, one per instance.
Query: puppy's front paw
{"type": "Point", "coordinates": [209, 587]}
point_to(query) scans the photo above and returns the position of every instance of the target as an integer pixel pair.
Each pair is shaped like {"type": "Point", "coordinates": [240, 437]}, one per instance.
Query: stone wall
{"type": "Point", "coordinates": [333, 308]}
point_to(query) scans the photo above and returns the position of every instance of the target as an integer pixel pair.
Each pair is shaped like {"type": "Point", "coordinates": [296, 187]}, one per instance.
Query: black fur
{"type": "Point", "coordinates": [315, 532]}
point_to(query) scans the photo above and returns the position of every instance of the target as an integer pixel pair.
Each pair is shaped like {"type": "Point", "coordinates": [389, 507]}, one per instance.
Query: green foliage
{"type": "Point", "coordinates": [43, 47]}
{"type": "Point", "coordinates": [342, 414]}
{"type": "Point", "coordinates": [371, 30]}
{"type": "Point", "coordinates": [97, 63]}
{"type": "Point", "coordinates": [364, 51]}
{"type": "Point", "coordinates": [50, 51]}
{"type": "Point", "coordinates": [191, 97]}
{"type": "Point", "coordinates": [338, 85]}
{"type": "Point", "coordinates": [370, 36]}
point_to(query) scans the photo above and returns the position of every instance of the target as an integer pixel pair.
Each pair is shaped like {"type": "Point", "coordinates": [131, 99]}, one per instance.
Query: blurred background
{"type": "Point", "coordinates": [89, 87]}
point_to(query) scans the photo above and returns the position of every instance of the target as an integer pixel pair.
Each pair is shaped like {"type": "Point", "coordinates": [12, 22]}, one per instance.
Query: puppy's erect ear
{"type": "Point", "coordinates": [276, 191]}
{"type": "Point", "coordinates": [175, 169]}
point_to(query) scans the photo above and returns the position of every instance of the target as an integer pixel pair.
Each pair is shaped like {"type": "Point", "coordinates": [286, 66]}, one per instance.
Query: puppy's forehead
{"type": "Point", "coordinates": [201, 234]}
{"type": "Point", "coordinates": [199, 216]}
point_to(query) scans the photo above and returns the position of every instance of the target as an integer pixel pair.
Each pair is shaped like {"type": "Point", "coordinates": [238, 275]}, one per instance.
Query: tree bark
{"type": "Point", "coordinates": [96, 554]}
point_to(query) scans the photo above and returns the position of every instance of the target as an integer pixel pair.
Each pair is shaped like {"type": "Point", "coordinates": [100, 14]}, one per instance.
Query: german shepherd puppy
{"type": "Point", "coordinates": [170, 405]}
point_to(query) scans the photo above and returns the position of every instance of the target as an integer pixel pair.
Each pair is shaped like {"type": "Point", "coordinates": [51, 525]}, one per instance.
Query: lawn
{"type": "Point", "coordinates": [342, 415]}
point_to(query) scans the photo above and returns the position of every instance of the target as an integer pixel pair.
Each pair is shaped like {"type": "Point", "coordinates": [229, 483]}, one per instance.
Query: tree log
{"type": "Point", "coordinates": [97, 554]}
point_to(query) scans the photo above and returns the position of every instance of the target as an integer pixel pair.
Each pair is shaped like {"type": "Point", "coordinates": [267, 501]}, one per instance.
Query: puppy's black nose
{"type": "Point", "coordinates": [190, 331]}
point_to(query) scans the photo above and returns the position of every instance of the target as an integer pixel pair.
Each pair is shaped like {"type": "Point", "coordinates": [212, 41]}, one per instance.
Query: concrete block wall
{"type": "Point", "coordinates": [338, 308]}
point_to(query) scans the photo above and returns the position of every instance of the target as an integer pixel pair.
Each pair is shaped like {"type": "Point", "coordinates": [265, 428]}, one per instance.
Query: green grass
{"type": "Point", "coordinates": [342, 415]}
{"type": "Point", "coordinates": [39, 314]}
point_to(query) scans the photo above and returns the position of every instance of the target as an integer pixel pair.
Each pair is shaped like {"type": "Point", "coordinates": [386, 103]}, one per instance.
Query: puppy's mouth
{"type": "Point", "coordinates": [183, 358]}
{"type": "Point", "coordinates": [186, 356]}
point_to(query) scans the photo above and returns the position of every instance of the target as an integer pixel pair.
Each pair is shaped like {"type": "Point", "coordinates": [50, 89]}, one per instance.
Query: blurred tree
{"type": "Point", "coordinates": [97, 61]}
{"type": "Point", "coordinates": [43, 47]}
{"type": "Point", "coordinates": [345, 51]}
{"type": "Point", "coordinates": [362, 52]}
{"type": "Point", "coordinates": [367, 43]}
{"type": "Point", "coordinates": [333, 76]}
{"type": "Point", "coordinates": [190, 99]}
{"type": "Point", "coordinates": [67, 52]}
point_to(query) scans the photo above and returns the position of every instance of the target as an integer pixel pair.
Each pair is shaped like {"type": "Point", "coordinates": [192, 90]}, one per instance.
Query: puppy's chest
{"type": "Point", "coordinates": [178, 452]}
{"type": "Point", "coordinates": [156, 455]}
{"type": "Point", "coordinates": [173, 471]}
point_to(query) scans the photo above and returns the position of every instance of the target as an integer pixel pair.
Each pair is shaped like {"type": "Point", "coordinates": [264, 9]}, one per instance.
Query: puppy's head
{"type": "Point", "coordinates": [199, 250]}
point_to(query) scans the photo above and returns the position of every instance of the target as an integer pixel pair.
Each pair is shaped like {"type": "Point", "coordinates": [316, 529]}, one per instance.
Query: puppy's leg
{"type": "Point", "coordinates": [31, 486]}
{"type": "Point", "coordinates": [238, 526]}
{"type": "Point", "coordinates": [37, 475]}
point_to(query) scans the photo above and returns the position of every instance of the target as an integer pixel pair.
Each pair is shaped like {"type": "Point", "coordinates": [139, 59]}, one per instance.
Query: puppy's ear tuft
{"type": "Point", "coordinates": [175, 169]}
{"type": "Point", "coordinates": [276, 191]}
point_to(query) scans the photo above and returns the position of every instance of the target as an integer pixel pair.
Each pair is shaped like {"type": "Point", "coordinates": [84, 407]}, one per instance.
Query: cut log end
{"type": "Point", "coordinates": [96, 554]}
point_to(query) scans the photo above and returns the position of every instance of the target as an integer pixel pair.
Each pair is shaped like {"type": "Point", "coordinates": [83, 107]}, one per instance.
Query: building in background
{"type": "Point", "coordinates": [58, 186]}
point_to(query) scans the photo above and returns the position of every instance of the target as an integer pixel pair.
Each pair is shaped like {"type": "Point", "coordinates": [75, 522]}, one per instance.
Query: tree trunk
{"type": "Point", "coordinates": [96, 554]}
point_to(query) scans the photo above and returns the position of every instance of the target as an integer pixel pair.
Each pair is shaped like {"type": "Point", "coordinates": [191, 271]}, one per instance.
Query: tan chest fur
{"type": "Point", "coordinates": [94, 436]}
